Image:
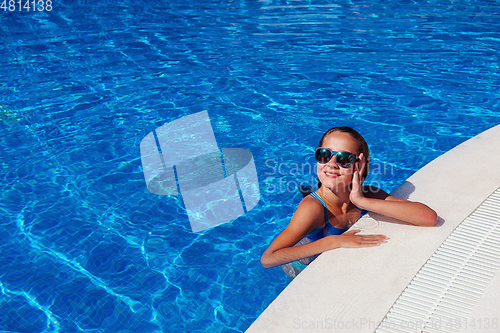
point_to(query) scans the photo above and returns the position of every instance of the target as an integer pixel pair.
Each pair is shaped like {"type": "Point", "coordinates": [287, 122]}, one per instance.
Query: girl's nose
{"type": "Point", "coordinates": [333, 161]}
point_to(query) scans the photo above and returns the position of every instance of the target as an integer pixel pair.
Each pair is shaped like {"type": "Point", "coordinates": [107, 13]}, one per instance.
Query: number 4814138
{"type": "Point", "coordinates": [26, 6]}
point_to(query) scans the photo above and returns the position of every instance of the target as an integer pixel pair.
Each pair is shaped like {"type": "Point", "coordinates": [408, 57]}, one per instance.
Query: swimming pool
{"type": "Point", "coordinates": [86, 248]}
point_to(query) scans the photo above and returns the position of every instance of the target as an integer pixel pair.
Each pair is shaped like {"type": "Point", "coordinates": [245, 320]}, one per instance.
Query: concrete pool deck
{"type": "Point", "coordinates": [353, 290]}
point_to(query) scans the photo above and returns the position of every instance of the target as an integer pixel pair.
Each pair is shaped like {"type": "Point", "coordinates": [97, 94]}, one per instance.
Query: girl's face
{"type": "Point", "coordinates": [330, 174]}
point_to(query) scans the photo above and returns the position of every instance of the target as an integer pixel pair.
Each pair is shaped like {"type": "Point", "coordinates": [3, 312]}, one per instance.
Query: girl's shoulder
{"type": "Point", "coordinates": [311, 206]}
{"type": "Point", "coordinates": [309, 202]}
{"type": "Point", "coordinates": [309, 213]}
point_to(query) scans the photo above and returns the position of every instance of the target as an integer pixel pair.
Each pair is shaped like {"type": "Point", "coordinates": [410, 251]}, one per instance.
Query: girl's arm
{"type": "Point", "coordinates": [382, 203]}
{"type": "Point", "coordinates": [307, 217]}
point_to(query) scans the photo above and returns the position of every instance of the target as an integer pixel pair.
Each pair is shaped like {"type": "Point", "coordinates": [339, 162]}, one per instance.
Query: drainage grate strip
{"type": "Point", "coordinates": [445, 290]}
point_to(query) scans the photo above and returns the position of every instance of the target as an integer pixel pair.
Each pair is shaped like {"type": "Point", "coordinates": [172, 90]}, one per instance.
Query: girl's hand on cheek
{"type": "Point", "coordinates": [357, 193]}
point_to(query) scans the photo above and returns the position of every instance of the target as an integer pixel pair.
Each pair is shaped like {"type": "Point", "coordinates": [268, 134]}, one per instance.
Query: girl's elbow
{"type": "Point", "coordinates": [431, 219]}
{"type": "Point", "coordinates": [434, 219]}
{"type": "Point", "coordinates": [265, 261]}
{"type": "Point", "coordinates": [427, 217]}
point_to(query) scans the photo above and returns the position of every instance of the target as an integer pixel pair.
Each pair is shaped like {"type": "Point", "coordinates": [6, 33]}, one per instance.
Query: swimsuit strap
{"type": "Point", "coordinates": [317, 197]}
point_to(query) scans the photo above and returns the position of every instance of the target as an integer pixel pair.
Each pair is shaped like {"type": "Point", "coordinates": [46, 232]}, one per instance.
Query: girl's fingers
{"type": "Point", "coordinates": [353, 240]}
{"type": "Point", "coordinates": [374, 237]}
{"type": "Point", "coordinates": [362, 162]}
{"type": "Point", "coordinates": [371, 239]}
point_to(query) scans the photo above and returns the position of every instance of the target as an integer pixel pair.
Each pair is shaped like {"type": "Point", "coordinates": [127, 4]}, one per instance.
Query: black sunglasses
{"type": "Point", "coordinates": [344, 159]}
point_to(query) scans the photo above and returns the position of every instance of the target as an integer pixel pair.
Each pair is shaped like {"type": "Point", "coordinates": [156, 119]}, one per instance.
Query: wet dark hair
{"type": "Point", "coordinates": [362, 145]}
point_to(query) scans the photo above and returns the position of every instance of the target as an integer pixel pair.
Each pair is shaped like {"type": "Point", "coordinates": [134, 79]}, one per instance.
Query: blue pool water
{"type": "Point", "coordinates": [86, 248]}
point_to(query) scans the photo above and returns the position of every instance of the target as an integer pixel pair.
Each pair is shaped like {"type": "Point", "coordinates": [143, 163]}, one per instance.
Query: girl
{"type": "Point", "coordinates": [321, 219]}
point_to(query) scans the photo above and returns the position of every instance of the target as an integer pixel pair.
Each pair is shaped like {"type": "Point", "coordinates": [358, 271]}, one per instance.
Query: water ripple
{"type": "Point", "coordinates": [88, 249]}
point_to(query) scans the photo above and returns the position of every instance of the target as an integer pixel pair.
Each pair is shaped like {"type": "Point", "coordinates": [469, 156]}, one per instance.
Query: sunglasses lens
{"type": "Point", "coordinates": [345, 159]}
{"type": "Point", "coordinates": [323, 155]}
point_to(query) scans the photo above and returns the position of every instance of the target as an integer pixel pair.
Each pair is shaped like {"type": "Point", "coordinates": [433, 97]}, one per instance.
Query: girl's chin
{"type": "Point", "coordinates": [334, 184]}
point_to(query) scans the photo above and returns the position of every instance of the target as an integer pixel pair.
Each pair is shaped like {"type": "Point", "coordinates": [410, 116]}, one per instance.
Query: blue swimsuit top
{"type": "Point", "coordinates": [328, 230]}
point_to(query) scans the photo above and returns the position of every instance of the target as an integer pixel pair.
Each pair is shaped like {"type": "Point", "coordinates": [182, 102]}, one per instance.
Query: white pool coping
{"type": "Point", "coordinates": [351, 290]}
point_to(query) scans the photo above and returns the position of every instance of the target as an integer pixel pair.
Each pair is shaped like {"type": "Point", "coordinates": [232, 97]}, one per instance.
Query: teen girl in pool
{"type": "Point", "coordinates": [321, 219]}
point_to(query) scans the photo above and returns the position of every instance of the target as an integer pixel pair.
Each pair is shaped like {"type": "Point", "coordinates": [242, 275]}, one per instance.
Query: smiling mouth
{"type": "Point", "coordinates": [331, 175]}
